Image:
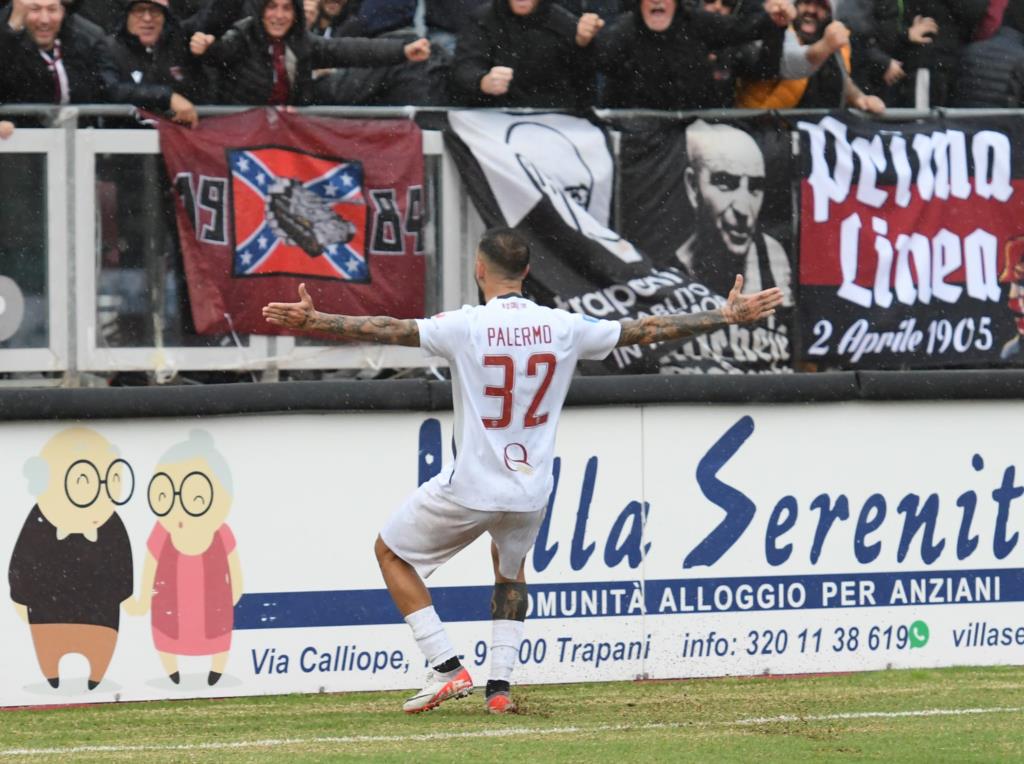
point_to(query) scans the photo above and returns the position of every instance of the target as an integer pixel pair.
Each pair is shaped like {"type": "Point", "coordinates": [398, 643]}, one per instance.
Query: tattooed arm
{"type": "Point", "coordinates": [738, 309]}
{"type": "Point", "coordinates": [303, 316]}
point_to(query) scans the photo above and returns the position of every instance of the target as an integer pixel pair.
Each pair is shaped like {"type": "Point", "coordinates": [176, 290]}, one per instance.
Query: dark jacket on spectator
{"type": "Point", "coordinates": [105, 14]}
{"type": "Point", "coordinates": [451, 15]}
{"type": "Point", "coordinates": [244, 59]}
{"type": "Point", "coordinates": [549, 68]}
{"type": "Point", "coordinates": [26, 78]}
{"type": "Point", "coordinates": [869, 60]}
{"type": "Point", "coordinates": [752, 61]}
{"type": "Point", "coordinates": [985, 69]}
{"type": "Point", "coordinates": [671, 69]}
{"type": "Point", "coordinates": [956, 20]}
{"type": "Point", "coordinates": [152, 74]}
{"type": "Point", "coordinates": [1015, 88]}
{"type": "Point", "coordinates": [1013, 17]}
{"type": "Point", "coordinates": [369, 18]}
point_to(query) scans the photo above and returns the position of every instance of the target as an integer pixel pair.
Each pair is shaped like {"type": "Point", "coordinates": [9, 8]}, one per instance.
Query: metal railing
{"type": "Point", "coordinates": [109, 294]}
{"type": "Point", "coordinates": [85, 224]}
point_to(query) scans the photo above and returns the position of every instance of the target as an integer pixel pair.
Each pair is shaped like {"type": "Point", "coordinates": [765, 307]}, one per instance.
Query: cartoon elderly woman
{"type": "Point", "coordinates": [192, 577]}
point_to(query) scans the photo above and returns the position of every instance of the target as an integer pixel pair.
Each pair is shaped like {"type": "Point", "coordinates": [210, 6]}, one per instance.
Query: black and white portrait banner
{"type": "Point", "coordinates": [552, 176]}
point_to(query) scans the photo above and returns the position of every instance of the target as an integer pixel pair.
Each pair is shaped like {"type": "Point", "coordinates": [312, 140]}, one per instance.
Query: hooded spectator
{"type": "Point", "coordinates": [659, 56]}
{"type": "Point", "coordinates": [268, 59]}
{"type": "Point", "coordinates": [152, 57]}
{"type": "Point", "coordinates": [525, 53]}
{"type": "Point", "coordinates": [151, 50]}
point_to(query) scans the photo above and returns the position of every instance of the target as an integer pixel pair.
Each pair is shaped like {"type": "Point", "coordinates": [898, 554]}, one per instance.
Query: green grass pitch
{"type": "Point", "coordinates": [954, 715]}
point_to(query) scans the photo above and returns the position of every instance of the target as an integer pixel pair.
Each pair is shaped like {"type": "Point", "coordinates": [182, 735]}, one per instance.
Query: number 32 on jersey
{"type": "Point", "coordinates": [537, 364]}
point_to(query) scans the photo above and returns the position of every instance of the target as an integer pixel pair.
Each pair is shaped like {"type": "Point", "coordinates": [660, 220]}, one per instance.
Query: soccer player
{"type": "Point", "coordinates": [511, 364]}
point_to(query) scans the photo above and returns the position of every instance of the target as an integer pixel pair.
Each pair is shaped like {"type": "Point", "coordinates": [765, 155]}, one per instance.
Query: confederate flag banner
{"type": "Point", "coordinates": [268, 199]}
{"type": "Point", "coordinates": [911, 243]}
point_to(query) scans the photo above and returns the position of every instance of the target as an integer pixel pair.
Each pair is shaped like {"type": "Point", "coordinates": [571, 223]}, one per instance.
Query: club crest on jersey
{"type": "Point", "coordinates": [297, 214]}
{"type": "Point", "coordinates": [517, 459]}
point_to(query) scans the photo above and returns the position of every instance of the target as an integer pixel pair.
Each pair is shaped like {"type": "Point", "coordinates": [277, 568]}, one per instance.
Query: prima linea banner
{"type": "Point", "coordinates": [268, 199]}
{"type": "Point", "coordinates": [911, 242]}
{"type": "Point", "coordinates": [552, 176]}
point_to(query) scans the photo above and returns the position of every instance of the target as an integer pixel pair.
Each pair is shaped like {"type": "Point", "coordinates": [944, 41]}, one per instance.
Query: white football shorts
{"type": "Point", "coordinates": [428, 530]}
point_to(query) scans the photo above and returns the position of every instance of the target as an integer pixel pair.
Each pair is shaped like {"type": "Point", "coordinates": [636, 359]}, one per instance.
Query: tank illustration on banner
{"type": "Point", "coordinates": [191, 577]}
{"type": "Point", "coordinates": [302, 218]}
{"type": "Point", "coordinates": [71, 567]}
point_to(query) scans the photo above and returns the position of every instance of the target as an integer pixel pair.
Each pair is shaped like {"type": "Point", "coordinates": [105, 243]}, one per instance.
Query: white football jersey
{"type": "Point", "coordinates": [511, 362]}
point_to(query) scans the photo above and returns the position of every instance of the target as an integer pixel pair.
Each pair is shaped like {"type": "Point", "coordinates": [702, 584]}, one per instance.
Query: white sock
{"type": "Point", "coordinates": [430, 635]}
{"type": "Point", "coordinates": [506, 636]}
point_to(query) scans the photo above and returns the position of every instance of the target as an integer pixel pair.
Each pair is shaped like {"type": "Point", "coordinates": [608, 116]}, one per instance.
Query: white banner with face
{"type": "Point", "coordinates": [160, 559]}
{"type": "Point", "coordinates": [530, 157]}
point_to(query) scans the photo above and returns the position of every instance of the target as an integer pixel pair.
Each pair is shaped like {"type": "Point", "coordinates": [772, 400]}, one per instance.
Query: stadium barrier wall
{"type": "Point", "coordinates": [697, 527]}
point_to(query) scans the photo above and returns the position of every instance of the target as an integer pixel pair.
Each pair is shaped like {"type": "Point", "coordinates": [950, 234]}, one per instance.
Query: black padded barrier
{"type": "Point", "coordinates": [423, 395]}
{"type": "Point", "coordinates": [954, 384]}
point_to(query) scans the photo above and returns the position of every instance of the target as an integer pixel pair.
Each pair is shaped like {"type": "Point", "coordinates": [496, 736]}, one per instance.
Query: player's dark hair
{"type": "Point", "coordinates": [507, 250]}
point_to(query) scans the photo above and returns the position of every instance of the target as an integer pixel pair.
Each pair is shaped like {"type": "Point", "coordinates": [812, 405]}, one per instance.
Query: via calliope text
{"type": "Point", "coordinates": [311, 659]}
{"type": "Point", "coordinates": [560, 648]}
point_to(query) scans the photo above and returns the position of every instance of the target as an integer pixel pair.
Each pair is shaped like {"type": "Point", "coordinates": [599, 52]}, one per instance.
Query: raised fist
{"type": "Point", "coordinates": [587, 28]}
{"type": "Point", "coordinates": [496, 81]}
{"type": "Point", "coordinates": [418, 50]}
{"type": "Point", "coordinates": [923, 30]}
{"type": "Point", "coordinates": [836, 35]}
{"type": "Point", "coordinates": [200, 43]}
{"type": "Point", "coordinates": [782, 12]}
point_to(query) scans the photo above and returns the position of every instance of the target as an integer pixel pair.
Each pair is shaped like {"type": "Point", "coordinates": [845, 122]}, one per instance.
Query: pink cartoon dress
{"type": "Point", "coordinates": [192, 610]}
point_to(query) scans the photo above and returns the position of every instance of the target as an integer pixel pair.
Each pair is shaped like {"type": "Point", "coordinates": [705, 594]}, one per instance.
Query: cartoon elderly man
{"type": "Point", "coordinates": [72, 563]}
{"type": "Point", "coordinates": [725, 183]}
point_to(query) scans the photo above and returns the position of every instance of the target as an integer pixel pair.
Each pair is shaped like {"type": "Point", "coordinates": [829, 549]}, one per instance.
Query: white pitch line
{"type": "Point", "coordinates": [498, 733]}
{"type": "Point", "coordinates": [877, 715]}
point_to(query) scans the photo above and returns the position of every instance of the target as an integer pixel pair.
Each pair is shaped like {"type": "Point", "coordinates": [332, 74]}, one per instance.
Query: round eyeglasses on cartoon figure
{"type": "Point", "coordinates": [195, 494]}
{"type": "Point", "coordinates": [82, 483]}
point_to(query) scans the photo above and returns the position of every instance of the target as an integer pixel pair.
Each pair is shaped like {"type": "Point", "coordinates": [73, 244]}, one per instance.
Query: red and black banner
{"type": "Point", "coordinates": [268, 199]}
{"type": "Point", "coordinates": [911, 242]}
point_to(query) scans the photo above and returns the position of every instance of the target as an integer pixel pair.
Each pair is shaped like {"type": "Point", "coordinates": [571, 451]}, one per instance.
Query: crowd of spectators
{"type": "Point", "coordinates": [171, 55]}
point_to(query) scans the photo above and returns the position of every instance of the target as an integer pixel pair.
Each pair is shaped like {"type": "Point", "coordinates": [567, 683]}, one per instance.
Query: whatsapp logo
{"type": "Point", "coordinates": [918, 634]}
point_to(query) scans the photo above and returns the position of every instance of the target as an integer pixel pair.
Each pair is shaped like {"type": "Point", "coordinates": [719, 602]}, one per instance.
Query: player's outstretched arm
{"type": "Point", "coordinates": [738, 309]}
{"type": "Point", "coordinates": [302, 316]}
